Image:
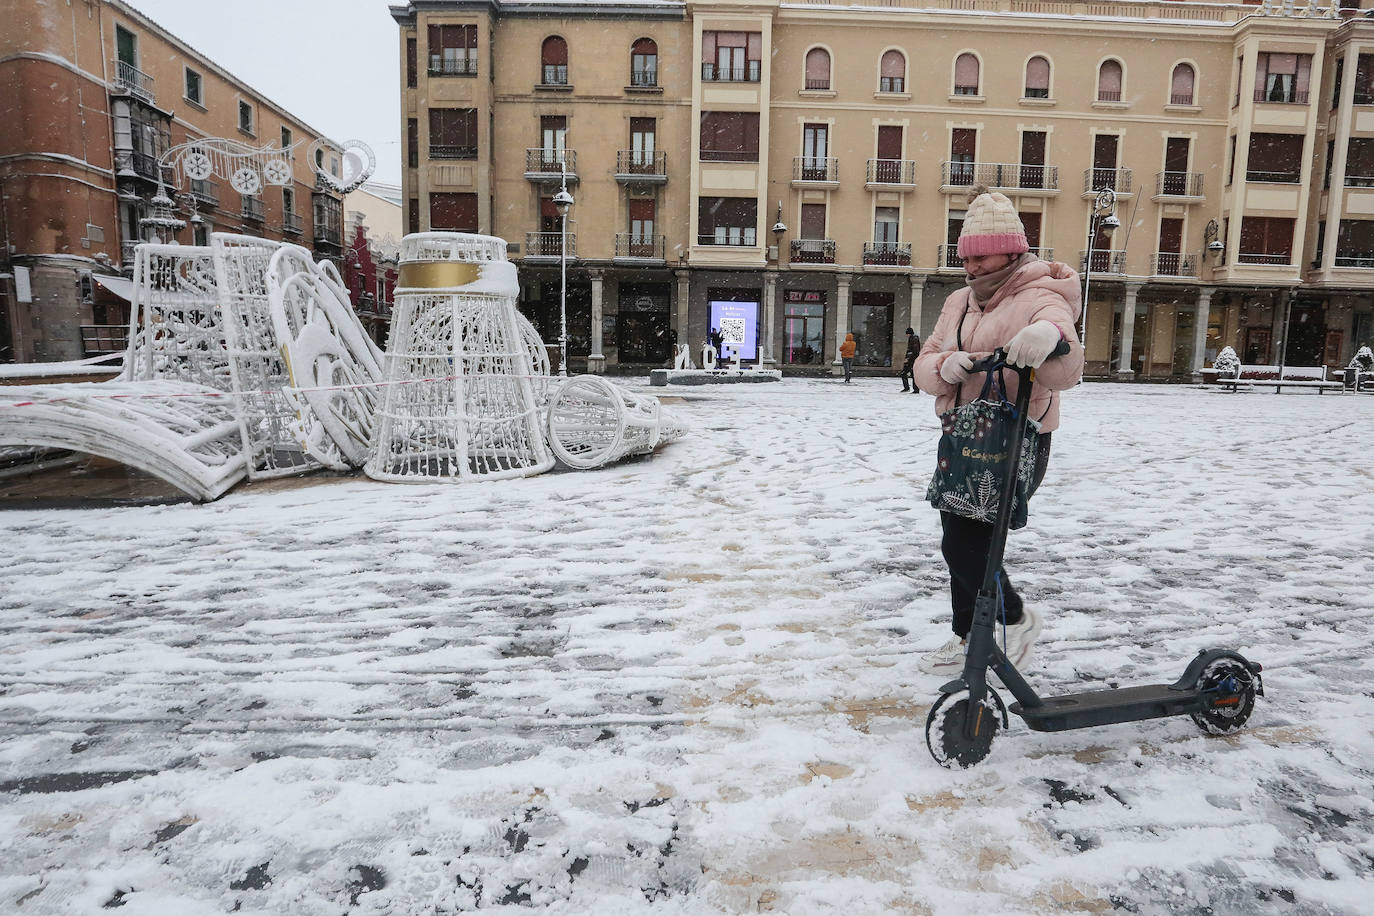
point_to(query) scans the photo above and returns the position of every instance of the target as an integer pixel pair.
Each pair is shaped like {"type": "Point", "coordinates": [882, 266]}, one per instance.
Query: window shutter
{"type": "Point", "coordinates": [817, 69]}
{"type": "Point", "coordinates": [893, 64]}
{"type": "Point", "coordinates": [963, 141]}
{"type": "Point", "coordinates": [1109, 81]}
{"type": "Point", "coordinates": [966, 71]}
{"type": "Point", "coordinates": [1038, 74]}
{"type": "Point", "coordinates": [1181, 87]}
{"type": "Point", "coordinates": [1304, 79]}
{"type": "Point", "coordinates": [555, 51]}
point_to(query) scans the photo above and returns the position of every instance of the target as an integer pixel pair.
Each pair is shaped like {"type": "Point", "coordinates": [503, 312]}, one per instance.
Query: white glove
{"type": "Point", "coordinates": [955, 367]}
{"type": "Point", "coordinates": [1033, 344]}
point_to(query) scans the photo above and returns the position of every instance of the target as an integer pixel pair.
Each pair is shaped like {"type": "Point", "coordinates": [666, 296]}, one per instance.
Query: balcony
{"type": "Point", "coordinates": [947, 257]}
{"type": "Point", "coordinates": [1178, 185]}
{"type": "Point", "coordinates": [634, 248]}
{"type": "Point", "coordinates": [815, 172]}
{"type": "Point", "coordinates": [1271, 258]}
{"type": "Point", "coordinates": [644, 80]}
{"type": "Point", "coordinates": [549, 245]}
{"type": "Point", "coordinates": [1173, 264]}
{"type": "Point", "coordinates": [955, 176]}
{"type": "Point", "coordinates": [447, 151]}
{"type": "Point", "coordinates": [640, 167]}
{"type": "Point", "coordinates": [813, 251]}
{"type": "Point", "coordinates": [890, 175]}
{"type": "Point", "coordinates": [1118, 180]}
{"type": "Point", "coordinates": [205, 192]}
{"type": "Point", "coordinates": [250, 208]}
{"type": "Point", "coordinates": [1281, 95]}
{"type": "Point", "coordinates": [291, 222]}
{"type": "Point", "coordinates": [1104, 261]}
{"type": "Point", "coordinates": [1363, 260]}
{"type": "Point", "coordinates": [710, 73]}
{"type": "Point", "coordinates": [730, 237]}
{"type": "Point", "coordinates": [887, 254]}
{"type": "Point", "coordinates": [144, 165]}
{"type": "Point", "coordinates": [1284, 176]}
{"type": "Point", "coordinates": [553, 76]}
{"type": "Point", "coordinates": [129, 80]}
{"type": "Point", "coordinates": [455, 66]}
{"type": "Point", "coordinates": [547, 166]}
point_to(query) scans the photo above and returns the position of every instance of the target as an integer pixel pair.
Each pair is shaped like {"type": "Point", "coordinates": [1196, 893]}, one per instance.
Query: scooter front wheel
{"type": "Point", "coordinates": [1228, 688]}
{"type": "Point", "coordinates": [945, 735]}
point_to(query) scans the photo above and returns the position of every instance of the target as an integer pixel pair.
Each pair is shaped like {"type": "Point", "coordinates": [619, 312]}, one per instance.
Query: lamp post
{"type": "Point", "coordinates": [561, 202]}
{"type": "Point", "coordinates": [1104, 218]}
{"type": "Point", "coordinates": [1211, 243]}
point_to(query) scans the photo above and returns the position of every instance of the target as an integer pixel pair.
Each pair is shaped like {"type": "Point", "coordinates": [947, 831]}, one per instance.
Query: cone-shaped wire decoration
{"type": "Point", "coordinates": [594, 422]}
{"type": "Point", "coordinates": [459, 399]}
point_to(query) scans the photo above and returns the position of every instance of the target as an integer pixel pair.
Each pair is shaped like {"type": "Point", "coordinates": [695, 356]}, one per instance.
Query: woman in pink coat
{"type": "Point", "coordinates": [1025, 305]}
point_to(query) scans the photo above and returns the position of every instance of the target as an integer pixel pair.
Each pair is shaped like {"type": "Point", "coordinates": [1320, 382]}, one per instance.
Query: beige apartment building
{"type": "Point", "coordinates": [797, 170]}
{"type": "Point", "coordinates": [92, 95]}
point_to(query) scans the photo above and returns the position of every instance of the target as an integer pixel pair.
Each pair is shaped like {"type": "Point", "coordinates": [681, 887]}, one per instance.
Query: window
{"type": "Point", "coordinates": [1274, 158]}
{"type": "Point", "coordinates": [1032, 171]}
{"type": "Point", "coordinates": [1231, 162]}
{"type": "Point", "coordinates": [1336, 83]}
{"type": "Point", "coordinates": [644, 64]}
{"type": "Point", "coordinates": [730, 136]}
{"type": "Point", "coordinates": [1037, 78]}
{"type": "Point", "coordinates": [870, 317]}
{"type": "Point", "coordinates": [200, 233]}
{"type": "Point", "coordinates": [889, 167]}
{"type": "Point", "coordinates": [892, 72]}
{"type": "Point", "coordinates": [1266, 240]}
{"type": "Point", "coordinates": [288, 201]}
{"type": "Point", "coordinates": [1364, 80]}
{"type": "Point", "coordinates": [963, 142]}
{"type": "Point", "coordinates": [413, 215]}
{"type": "Point", "coordinates": [803, 327]}
{"type": "Point", "coordinates": [413, 142]}
{"type": "Point", "coordinates": [412, 64]}
{"type": "Point", "coordinates": [954, 227]}
{"type": "Point", "coordinates": [818, 69]}
{"type": "Point", "coordinates": [1175, 179]}
{"type": "Point", "coordinates": [642, 213]}
{"type": "Point", "coordinates": [731, 57]}
{"type": "Point", "coordinates": [1282, 77]}
{"type": "Point", "coordinates": [286, 138]}
{"type": "Point", "coordinates": [643, 138]}
{"type": "Point", "coordinates": [885, 220]}
{"type": "Point", "coordinates": [328, 213]}
{"type": "Point", "coordinates": [966, 74]}
{"type": "Point", "coordinates": [1354, 243]}
{"type": "Point", "coordinates": [1105, 173]}
{"type": "Point", "coordinates": [553, 139]}
{"type": "Point", "coordinates": [1359, 163]}
{"type": "Point", "coordinates": [727, 221]}
{"type": "Point", "coordinates": [1169, 260]}
{"type": "Point", "coordinates": [1181, 85]}
{"type": "Point", "coordinates": [1031, 223]}
{"type": "Point", "coordinates": [643, 329]}
{"type": "Point", "coordinates": [245, 117]}
{"type": "Point", "coordinates": [553, 57]}
{"type": "Point", "coordinates": [126, 45]}
{"type": "Point", "coordinates": [811, 246]}
{"type": "Point", "coordinates": [454, 212]}
{"type": "Point", "coordinates": [1109, 79]}
{"type": "Point", "coordinates": [815, 149]}
{"type": "Point", "coordinates": [453, 133]}
{"type": "Point", "coordinates": [195, 91]}
{"type": "Point", "coordinates": [453, 50]}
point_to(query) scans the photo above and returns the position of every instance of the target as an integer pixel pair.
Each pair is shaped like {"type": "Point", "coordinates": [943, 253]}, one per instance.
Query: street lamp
{"type": "Point", "coordinates": [1214, 245]}
{"type": "Point", "coordinates": [561, 202]}
{"type": "Point", "coordinates": [1103, 218]}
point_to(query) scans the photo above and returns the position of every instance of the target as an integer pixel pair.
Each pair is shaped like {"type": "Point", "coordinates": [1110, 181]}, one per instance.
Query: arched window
{"type": "Point", "coordinates": [554, 57]}
{"type": "Point", "coordinates": [818, 69]}
{"type": "Point", "coordinates": [1181, 85]}
{"type": "Point", "coordinates": [1109, 81]}
{"type": "Point", "coordinates": [892, 72]}
{"type": "Point", "coordinates": [966, 74]}
{"type": "Point", "coordinates": [1037, 78]}
{"type": "Point", "coordinates": [644, 63]}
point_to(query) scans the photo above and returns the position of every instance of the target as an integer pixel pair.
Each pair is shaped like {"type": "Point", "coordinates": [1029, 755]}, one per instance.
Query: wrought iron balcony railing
{"type": "Point", "coordinates": [454, 66]}
{"type": "Point", "coordinates": [133, 81]}
{"type": "Point", "coordinates": [1282, 258]}
{"type": "Point", "coordinates": [710, 73]}
{"type": "Point", "coordinates": [291, 222]}
{"type": "Point", "coordinates": [815, 168]}
{"type": "Point", "coordinates": [549, 164]}
{"type": "Point", "coordinates": [448, 151]}
{"type": "Point", "coordinates": [554, 75]}
{"type": "Point", "coordinates": [890, 171]}
{"type": "Point", "coordinates": [1360, 259]}
{"type": "Point", "coordinates": [634, 164]}
{"type": "Point", "coordinates": [813, 251]}
{"type": "Point", "coordinates": [1282, 95]}
{"type": "Point", "coordinates": [250, 208]}
{"type": "Point", "coordinates": [1173, 264]}
{"type": "Point", "coordinates": [644, 79]}
{"type": "Point", "coordinates": [729, 155]}
{"type": "Point", "coordinates": [549, 244]}
{"type": "Point", "coordinates": [892, 254]}
{"type": "Point", "coordinates": [1118, 180]}
{"type": "Point", "coordinates": [1284, 176]}
{"type": "Point", "coordinates": [635, 245]}
{"type": "Point", "coordinates": [1104, 261]}
{"type": "Point", "coordinates": [1008, 175]}
{"type": "Point", "coordinates": [947, 256]}
{"type": "Point", "coordinates": [730, 236]}
{"type": "Point", "coordinates": [1178, 184]}
{"type": "Point", "coordinates": [892, 84]}
{"type": "Point", "coordinates": [205, 191]}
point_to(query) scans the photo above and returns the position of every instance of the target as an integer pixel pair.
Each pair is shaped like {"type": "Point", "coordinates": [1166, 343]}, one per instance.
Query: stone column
{"type": "Point", "coordinates": [1203, 316]}
{"type": "Point", "coordinates": [684, 289]}
{"type": "Point", "coordinates": [596, 361]}
{"type": "Point", "coordinates": [918, 288]}
{"type": "Point", "coordinates": [1279, 328]}
{"type": "Point", "coordinates": [769, 333]}
{"type": "Point", "coordinates": [841, 317]}
{"type": "Point", "coordinates": [1124, 372]}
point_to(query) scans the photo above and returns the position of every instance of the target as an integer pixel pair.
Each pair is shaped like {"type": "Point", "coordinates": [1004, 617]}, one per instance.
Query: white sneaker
{"type": "Point", "coordinates": [1021, 637]}
{"type": "Point", "coordinates": [948, 659]}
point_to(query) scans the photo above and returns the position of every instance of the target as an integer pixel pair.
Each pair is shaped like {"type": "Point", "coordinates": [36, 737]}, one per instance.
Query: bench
{"type": "Point", "coordinates": [1278, 377]}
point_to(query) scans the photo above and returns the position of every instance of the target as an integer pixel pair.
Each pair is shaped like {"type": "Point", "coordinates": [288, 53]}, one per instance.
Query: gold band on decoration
{"type": "Point", "coordinates": [436, 275]}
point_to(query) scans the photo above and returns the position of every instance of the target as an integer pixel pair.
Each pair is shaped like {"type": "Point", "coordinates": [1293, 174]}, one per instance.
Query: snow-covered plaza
{"type": "Point", "coordinates": [687, 683]}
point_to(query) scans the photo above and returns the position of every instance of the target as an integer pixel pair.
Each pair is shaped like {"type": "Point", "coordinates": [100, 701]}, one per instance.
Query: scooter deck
{"type": "Point", "coordinates": [1108, 707]}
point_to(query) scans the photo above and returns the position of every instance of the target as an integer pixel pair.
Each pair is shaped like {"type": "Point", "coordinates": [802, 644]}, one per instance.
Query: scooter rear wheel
{"type": "Point", "coordinates": [945, 729]}
{"type": "Point", "coordinates": [1230, 691]}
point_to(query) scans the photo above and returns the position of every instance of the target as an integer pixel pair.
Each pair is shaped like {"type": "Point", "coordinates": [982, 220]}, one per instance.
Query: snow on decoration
{"type": "Point", "coordinates": [593, 422]}
{"type": "Point", "coordinates": [1363, 359]}
{"type": "Point", "coordinates": [1227, 363]}
{"type": "Point", "coordinates": [175, 330]}
{"type": "Point", "coordinates": [684, 357]}
{"type": "Point", "coordinates": [459, 398]}
{"type": "Point", "coordinates": [332, 362]}
{"type": "Point", "coordinates": [357, 163]}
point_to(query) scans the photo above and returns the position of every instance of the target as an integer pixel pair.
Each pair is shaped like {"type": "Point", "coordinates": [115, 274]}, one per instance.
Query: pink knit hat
{"type": "Point", "coordinates": [991, 225]}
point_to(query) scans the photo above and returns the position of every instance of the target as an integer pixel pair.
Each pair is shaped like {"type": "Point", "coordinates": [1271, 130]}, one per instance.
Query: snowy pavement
{"type": "Point", "coordinates": [687, 683]}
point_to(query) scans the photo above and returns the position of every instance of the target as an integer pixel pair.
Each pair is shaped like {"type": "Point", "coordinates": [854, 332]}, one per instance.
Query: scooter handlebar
{"type": "Point", "coordinates": [998, 358]}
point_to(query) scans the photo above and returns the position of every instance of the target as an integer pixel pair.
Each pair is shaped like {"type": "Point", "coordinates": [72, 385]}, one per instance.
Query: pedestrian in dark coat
{"type": "Point", "coordinates": [913, 349]}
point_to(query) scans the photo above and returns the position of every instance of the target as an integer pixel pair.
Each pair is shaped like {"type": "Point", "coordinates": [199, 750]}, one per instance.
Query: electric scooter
{"type": "Point", "coordinates": [1217, 689]}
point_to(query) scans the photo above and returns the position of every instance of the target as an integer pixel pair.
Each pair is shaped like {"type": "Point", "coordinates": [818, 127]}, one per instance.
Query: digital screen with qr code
{"type": "Point", "coordinates": [738, 324]}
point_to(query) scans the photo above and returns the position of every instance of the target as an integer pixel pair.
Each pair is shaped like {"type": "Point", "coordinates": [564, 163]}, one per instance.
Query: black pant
{"type": "Point", "coordinates": [907, 377]}
{"type": "Point", "coordinates": [966, 544]}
